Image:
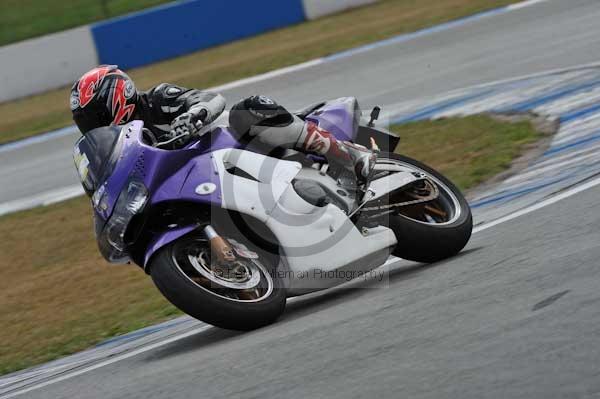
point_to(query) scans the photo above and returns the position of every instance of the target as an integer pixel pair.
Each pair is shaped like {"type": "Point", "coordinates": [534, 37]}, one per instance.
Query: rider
{"type": "Point", "coordinates": [107, 96]}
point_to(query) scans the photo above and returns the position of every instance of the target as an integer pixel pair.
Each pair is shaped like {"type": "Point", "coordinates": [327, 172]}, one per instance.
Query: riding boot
{"type": "Point", "coordinates": [350, 156]}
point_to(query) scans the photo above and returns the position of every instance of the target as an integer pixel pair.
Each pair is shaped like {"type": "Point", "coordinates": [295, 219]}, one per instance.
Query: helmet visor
{"type": "Point", "coordinates": [91, 118]}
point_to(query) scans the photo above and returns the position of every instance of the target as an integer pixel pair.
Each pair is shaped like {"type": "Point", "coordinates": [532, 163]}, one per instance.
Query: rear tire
{"type": "Point", "coordinates": [428, 242]}
{"type": "Point", "coordinates": [209, 307]}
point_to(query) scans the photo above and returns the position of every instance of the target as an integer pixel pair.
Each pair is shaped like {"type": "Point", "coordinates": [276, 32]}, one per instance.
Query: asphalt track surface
{"type": "Point", "coordinates": [517, 314]}
{"type": "Point", "coordinates": [546, 35]}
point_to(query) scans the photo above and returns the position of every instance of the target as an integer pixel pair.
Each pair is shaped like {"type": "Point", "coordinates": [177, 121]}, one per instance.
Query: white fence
{"type": "Point", "coordinates": [44, 63]}
{"type": "Point", "coordinates": [52, 61]}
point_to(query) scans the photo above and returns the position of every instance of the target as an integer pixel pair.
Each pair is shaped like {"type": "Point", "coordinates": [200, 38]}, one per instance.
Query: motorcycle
{"type": "Point", "coordinates": [228, 231]}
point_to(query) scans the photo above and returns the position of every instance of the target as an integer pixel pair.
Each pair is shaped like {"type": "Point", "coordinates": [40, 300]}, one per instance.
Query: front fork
{"type": "Point", "coordinates": [219, 246]}
{"type": "Point", "coordinates": [228, 266]}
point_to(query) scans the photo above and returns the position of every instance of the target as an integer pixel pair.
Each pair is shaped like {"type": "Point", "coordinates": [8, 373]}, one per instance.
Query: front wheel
{"type": "Point", "coordinates": [437, 222]}
{"type": "Point", "coordinates": [247, 297]}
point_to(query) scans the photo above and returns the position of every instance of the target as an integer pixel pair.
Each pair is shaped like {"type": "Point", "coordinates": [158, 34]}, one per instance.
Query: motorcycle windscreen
{"type": "Point", "coordinates": [96, 155]}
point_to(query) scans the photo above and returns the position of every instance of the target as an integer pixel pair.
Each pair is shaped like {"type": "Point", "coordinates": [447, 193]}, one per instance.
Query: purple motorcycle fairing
{"type": "Point", "coordinates": [198, 169]}
{"type": "Point", "coordinates": [173, 175]}
{"type": "Point", "coordinates": [339, 117]}
{"type": "Point", "coordinates": [168, 175]}
{"type": "Point", "coordinates": [160, 240]}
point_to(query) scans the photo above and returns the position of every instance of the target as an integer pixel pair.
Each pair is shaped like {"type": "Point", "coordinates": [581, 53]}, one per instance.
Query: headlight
{"type": "Point", "coordinates": [99, 198]}
{"type": "Point", "coordinates": [131, 201]}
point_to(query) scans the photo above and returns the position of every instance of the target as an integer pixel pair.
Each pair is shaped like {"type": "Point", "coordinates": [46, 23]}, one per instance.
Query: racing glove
{"type": "Point", "coordinates": [189, 123]}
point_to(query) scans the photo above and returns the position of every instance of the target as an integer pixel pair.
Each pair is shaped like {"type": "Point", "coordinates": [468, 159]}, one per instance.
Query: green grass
{"type": "Point", "coordinates": [57, 295]}
{"type": "Point", "coordinates": [248, 57]}
{"type": "Point", "coordinates": [23, 19]}
{"type": "Point", "coordinates": [467, 150]}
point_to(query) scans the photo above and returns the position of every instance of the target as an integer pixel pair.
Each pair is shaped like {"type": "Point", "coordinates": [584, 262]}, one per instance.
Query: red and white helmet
{"type": "Point", "coordinates": [101, 97]}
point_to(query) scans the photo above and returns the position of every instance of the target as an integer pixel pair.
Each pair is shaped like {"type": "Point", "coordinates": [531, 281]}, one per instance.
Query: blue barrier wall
{"type": "Point", "coordinates": [183, 27]}
{"type": "Point", "coordinates": [147, 36]}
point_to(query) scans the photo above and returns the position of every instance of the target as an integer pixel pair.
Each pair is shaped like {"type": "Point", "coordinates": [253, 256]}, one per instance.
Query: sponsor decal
{"type": "Point", "coordinates": [81, 163]}
{"type": "Point", "coordinates": [206, 188]}
{"type": "Point", "coordinates": [129, 89]}
{"type": "Point", "coordinates": [74, 100]}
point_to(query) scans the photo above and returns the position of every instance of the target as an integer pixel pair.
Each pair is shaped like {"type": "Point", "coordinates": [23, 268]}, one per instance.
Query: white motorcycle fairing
{"type": "Point", "coordinates": [319, 246]}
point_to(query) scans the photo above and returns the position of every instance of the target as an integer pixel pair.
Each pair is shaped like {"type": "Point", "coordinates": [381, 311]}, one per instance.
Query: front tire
{"type": "Point", "coordinates": [176, 281]}
{"type": "Point", "coordinates": [430, 238]}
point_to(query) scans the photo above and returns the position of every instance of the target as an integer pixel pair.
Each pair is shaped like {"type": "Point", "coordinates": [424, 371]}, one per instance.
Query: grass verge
{"type": "Point", "coordinates": [23, 19]}
{"type": "Point", "coordinates": [57, 296]}
{"type": "Point", "coordinates": [248, 57]}
{"type": "Point", "coordinates": [468, 150]}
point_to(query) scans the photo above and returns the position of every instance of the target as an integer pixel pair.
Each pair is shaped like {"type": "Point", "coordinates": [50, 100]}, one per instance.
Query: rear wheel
{"type": "Point", "coordinates": [436, 223]}
{"type": "Point", "coordinates": [247, 295]}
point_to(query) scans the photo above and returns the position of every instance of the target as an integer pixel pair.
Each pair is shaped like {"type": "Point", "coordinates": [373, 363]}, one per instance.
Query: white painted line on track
{"type": "Point", "coordinates": [518, 179]}
{"type": "Point", "coordinates": [532, 208]}
{"type": "Point", "coordinates": [524, 4]}
{"type": "Point", "coordinates": [304, 65]}
{"type": "Point", "coordinates": [267, 75]}
{"type": "Point", "coordinates": [583, 153]}
{"type": "Point", "coordinates": [65, 193]}
{"type": "Point", "coordinates": [40, 138]}
{"type": "Point", "coordinates": [549, 72]}
{"type": "Point", "coordinates": [42, 199]}
{"type": "Point", "coordinates": [396, 109]}
{"type": "Point", "coordinates": [108, 361]}
{"type": "Point", "coordinates": [549, 201]}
